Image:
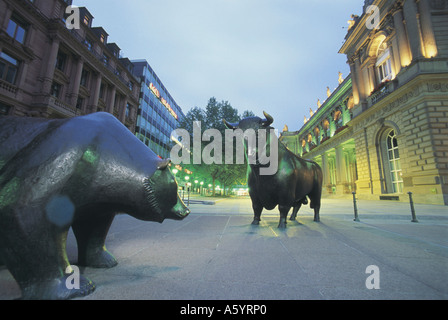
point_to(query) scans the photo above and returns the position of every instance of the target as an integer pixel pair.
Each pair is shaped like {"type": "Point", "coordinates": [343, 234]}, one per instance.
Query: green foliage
{"type": "Point", "coordinates": [211, 118]}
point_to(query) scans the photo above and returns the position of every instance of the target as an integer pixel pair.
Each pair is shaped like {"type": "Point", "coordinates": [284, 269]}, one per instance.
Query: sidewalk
{"type": "Point", "coordinates": [216, 254]}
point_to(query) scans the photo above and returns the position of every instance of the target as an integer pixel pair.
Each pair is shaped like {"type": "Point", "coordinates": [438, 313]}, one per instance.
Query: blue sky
{"type": "Point", "coordinates": [272, 55]}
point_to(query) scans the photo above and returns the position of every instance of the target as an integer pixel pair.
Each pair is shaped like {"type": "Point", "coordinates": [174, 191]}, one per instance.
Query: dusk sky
{"type": "Point", "coordinates": [272, 55]}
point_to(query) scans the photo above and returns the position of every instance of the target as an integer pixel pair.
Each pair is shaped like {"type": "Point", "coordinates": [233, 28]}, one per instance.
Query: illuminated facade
{"type": "Point", "coordinates": [384, 131]}
{"type": "Point", "coordinates": [158, 113]}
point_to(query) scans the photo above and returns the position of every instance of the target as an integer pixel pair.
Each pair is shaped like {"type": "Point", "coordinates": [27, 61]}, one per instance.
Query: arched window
{"type": "Point", "coordinates": [393, 166]}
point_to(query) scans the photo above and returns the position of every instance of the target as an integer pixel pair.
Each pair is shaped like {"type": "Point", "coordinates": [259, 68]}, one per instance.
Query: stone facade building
{"type": "Point", "coordinates": [49, 70]}
{"type": "Point", "coordinates": [384, 131]}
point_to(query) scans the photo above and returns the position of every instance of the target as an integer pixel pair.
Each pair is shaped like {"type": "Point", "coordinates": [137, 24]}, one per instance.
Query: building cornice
{"type": "Point", "coordinates": [342, 89]}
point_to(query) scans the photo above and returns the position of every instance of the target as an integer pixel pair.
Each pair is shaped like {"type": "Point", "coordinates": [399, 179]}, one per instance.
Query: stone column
{"type": "Point", "coordinates": [122, 111]}
{"type": "Point", "coordinates": [6, 16]}
{"type": "Point", "coordinates": [23, 74]}
{"type": "Point", "coordinates": [361, 81]}
{"type": "Point", "coordinates": [76, 82]}
{"type": "Point", "coordinates": [354, 80]}
{"type": "Point", "coordinates": [96, 93]}
{"type": "Point", "coordinates": [402, 39]}
{"type": "Point", "coordinates": [429, 40]}
{"type": "Point", "coordinates": [111, 100]}
{"type": "Point", "coordinates": [341, 175]}
{"type": "Point", "coordinates": [371, 70]}
{"type": "Point", "coordinates": [325, 172]}
{"type": "Point", "coordinates": [413, 30]}
{"type": "Point", "coordinates": [50, 64]}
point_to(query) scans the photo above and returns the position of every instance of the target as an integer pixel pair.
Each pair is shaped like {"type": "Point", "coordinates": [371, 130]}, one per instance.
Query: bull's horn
{"type": "Point", "coordinates": [163, 164]}
{"type": "Point", "coordinates": [229, 125]}
{"type": "Point", "coordinates": [269, 119]}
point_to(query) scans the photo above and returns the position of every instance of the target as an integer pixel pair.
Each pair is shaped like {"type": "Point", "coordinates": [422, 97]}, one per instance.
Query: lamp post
{"type": "Point", "coordinates": [186, 186]}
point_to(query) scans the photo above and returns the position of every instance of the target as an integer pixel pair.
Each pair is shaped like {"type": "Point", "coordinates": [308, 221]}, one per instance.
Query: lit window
{"type": "Point", "coordinates": [4, 109]}
{"type": "Point", "coordinates": [88, 44]}
{"type": "Point", "coordinates": [79, 103]}
{"type": "Point", "coordinates": [394, 163]}
{"type": "Point", "coordinates": [60, 61]}
{"type": "Point", "coordinates": [8, 68]}
{"type": "Point", "coordinates": [383, 64]}
{"type": "Point", "coordinates": [86, 20]}
{"type": "Point", "coordinates": [84, 78]}
{"type": "Point", "coordinates": [56, 89]}
{"type": "Point", "coordinates": [105, 60]}
{"type": "Point", "coordinates": [16, 29]}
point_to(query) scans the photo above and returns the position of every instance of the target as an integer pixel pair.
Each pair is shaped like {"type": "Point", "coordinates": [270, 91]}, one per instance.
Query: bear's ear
{"type": "Point", "coordinates": [163, 164]}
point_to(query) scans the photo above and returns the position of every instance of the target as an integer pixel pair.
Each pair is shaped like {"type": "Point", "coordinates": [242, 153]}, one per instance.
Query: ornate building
{"type": "Point", "coordinates": [49, 70]}
{"type": "Point", "coordinates": [384, 131]}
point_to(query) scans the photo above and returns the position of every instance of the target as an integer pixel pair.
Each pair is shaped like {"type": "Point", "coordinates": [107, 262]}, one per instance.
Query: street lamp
{"type": "Point", "coordinates": [196, 185]}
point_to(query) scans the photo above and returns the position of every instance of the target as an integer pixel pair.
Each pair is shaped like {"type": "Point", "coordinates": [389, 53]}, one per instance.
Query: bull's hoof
{"type": "Point", "coordinates": [316, 219]}
{"type": "Point", "coordinates": [282, 225]}
{"type": "Point", "coordinates": [293, 218]}
{"type": "Point", "coordinates": [102, 259]}
{"type": "Point", "coordinates": [59, 289]}
{"type": "Point", "coordinates": [255, 222]}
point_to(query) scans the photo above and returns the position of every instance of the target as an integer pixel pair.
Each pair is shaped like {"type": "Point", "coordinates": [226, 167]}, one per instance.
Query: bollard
{"type": "Point", "coordinates": [355, 207]}
{"type": "Point", "coordinates": [414, 218]}
{"type": "Point", "coordinates": [188, 196]}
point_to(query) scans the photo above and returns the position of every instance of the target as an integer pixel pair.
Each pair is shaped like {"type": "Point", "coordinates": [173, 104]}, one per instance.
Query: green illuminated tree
{"type": "Point", "coordinates": [211, 118]}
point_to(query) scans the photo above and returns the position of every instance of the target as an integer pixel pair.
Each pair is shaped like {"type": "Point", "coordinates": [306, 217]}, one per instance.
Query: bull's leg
{"type": "Point", "coordinates": [315, 204]}
{"type": "Point", "coordinates": [316, 213]}
{"type": "Point", "coordinates": [91, 237]}
{"type": "Point", "coordinates": [295, 210]}
{"type": "Point", "coordinates": [283, 215]}
{"type": "Point", "coordinates": [258, 208]}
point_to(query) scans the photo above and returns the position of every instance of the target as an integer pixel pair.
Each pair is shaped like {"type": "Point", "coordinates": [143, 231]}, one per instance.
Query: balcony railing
{"type": "Point", "coordinates": [62, 106]}
{"type": "Point", "coordinates": [6, 86]}
{"type": "Point", "coordinates": [382, 91]}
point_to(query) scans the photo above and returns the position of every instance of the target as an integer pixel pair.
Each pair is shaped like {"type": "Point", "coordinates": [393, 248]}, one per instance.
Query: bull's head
{"type": "Point", "coordinates": [267, 142]}
{"type": "Point", "coordinates": [251, 123]}
{"type": "Point", "coordinates": [162, 196]}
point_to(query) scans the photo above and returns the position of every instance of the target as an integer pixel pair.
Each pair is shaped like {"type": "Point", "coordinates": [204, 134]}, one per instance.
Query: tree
{"type": "Point", "coordinates": [211, 118]}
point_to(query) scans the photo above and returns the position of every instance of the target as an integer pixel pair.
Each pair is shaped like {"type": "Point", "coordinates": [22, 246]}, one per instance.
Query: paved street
{"type": "Point", "coordinates": [215, 254]}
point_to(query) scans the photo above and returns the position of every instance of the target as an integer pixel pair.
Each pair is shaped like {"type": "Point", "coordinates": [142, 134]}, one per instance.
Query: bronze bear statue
{"type": "Point", "coordinates": [78, 172]}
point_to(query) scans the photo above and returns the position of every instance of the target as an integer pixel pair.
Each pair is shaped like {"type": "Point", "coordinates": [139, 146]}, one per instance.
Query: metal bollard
{"type": "Point", "coordinates": [188, 196]}
{"type": "Point", "coordinates": [355, 207]}
{"type": "Point", "coordinates": [414, 218]}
